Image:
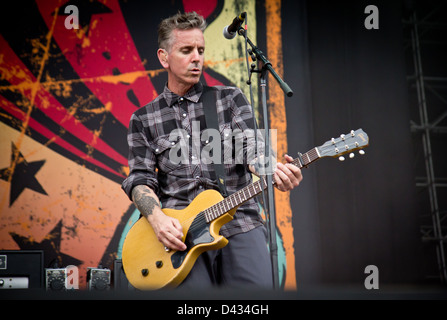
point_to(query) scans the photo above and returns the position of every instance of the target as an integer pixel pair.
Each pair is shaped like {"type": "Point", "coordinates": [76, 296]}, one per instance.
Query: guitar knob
{"type": "Point", "coordinates": [362, 152]}
{"type": "Point", "coordinates": [144, 272]}
{"type": "Point", "coordinates": [351, 155]}
{"type": "Point", "coordinates": [159, 264]}
{"type": "Point", "coordinates": [341, 158]}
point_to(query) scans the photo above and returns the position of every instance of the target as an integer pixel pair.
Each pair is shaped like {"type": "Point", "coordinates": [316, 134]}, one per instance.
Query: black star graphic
{"type": "Point", "coordinates": [23, 175]}
{"type": "Point", "coordinates": [86, 9]}
{"type": "Point", "coordinates": [51, 245]}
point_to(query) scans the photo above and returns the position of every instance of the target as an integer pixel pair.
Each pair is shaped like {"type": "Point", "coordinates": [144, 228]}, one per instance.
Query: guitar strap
{"type": "Point", "coordinates": [211, 119]}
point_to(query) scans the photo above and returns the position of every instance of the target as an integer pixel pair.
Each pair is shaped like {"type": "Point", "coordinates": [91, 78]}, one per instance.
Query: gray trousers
{"type": "Point", "coordinates": [243, 263]}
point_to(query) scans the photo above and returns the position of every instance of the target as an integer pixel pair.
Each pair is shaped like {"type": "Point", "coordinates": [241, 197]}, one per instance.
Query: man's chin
{"type": "Point", "coordinates": [194, 79]}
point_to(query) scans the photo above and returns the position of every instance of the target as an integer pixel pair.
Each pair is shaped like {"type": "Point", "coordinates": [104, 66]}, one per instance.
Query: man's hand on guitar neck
{"type": "Point", "coordinates": [168, 230]}
{"type": "Point", "coordinates": [287, 176]}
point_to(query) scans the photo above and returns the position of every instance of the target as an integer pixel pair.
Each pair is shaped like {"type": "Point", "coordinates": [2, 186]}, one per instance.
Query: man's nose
{"type": "Point", "coordinates": [195, 55]}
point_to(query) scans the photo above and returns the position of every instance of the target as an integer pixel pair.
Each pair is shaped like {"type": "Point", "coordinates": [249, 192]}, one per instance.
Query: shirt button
{"type": "Point", "coordinates": [156, 150]}
{"type": "Point", "coordinates": [181, 99]}
{"type": "Point", "coordinates": [184, 115]}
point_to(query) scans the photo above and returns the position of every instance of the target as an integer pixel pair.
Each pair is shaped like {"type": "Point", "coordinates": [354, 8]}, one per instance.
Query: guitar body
{"type": "Point", "coordinates": [148, 265]}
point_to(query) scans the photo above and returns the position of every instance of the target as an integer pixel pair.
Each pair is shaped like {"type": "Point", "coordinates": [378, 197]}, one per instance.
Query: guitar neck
{"type": "Point", "coordinates": [236, 199]}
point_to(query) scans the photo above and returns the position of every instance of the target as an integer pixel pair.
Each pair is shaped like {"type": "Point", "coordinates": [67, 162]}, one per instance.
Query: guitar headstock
{"type": "Point", "coordinates": [346, 143]}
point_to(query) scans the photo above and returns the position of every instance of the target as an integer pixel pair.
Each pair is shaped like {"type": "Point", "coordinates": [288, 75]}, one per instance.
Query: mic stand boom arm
{"type": "Point", "coordinates": [267, 66]}
{"type": "Point", "coordinates": [266, 63]}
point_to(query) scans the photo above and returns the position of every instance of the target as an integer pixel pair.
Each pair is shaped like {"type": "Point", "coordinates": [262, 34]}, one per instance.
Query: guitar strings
{"type": "Point", "coordinates": [218, 209]}
{"type": "Point", "coordinates": [222, 206]}
{"type": "Point", "coordinates": [227, 204]}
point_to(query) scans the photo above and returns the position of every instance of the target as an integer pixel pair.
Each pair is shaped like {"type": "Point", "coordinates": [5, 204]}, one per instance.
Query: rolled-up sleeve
{"type": "Point", "coordinates": [142, 161]}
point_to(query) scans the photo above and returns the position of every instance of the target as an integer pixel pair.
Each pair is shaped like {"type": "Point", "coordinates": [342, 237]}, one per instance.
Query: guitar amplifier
{"type": "Point", "coordinates": [21, 269]}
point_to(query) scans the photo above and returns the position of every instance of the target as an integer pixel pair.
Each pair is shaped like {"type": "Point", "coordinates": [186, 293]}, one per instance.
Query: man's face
{"type": "Point", "coordinates": [184, 61]}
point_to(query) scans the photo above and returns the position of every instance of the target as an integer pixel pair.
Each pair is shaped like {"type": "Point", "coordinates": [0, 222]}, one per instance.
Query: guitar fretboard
{"type": "Point", "coordinates": [253, 189]}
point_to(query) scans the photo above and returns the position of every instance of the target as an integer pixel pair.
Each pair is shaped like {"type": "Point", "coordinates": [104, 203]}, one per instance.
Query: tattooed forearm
{"type": "Point", "coordinates": [144, 200]}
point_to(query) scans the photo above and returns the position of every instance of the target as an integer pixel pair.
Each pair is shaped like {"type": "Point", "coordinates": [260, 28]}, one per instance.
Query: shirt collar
{"type": "Point", "coordinates": [192, 95]}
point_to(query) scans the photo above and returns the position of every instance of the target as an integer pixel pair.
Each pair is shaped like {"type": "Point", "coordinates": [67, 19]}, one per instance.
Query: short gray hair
{"type": "Point", "coordinates": [181, 21]}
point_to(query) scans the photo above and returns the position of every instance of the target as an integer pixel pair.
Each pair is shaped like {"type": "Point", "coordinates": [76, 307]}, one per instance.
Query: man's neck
{"type": "Point", "coordinates": [179, 90]}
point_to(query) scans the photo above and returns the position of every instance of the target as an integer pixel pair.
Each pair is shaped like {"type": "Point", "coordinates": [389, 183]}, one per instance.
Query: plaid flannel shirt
{"type": "Point", "coordinates": [177, 184]}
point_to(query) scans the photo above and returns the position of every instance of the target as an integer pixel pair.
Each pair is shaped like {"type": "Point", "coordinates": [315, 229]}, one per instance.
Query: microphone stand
{"type": "Point", "coordinates": [267, 66]}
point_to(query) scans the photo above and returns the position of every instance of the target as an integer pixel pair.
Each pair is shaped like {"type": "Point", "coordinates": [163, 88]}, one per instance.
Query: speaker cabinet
{"type": "Point", "coordinates": [21, 269]}
{"type": "Point", "coordinates": [120, 281]}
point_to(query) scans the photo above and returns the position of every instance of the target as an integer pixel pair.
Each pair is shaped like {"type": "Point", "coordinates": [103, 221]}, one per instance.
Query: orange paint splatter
{"type": "Point", "coordinates": [278, 121]}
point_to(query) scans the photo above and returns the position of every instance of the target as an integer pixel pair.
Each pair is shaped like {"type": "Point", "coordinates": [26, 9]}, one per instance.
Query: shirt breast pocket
{"type": "Point", "coordinates": [168, 151]}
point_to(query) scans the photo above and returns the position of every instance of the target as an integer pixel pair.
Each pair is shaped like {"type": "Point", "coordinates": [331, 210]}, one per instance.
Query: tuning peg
{"type": "Point", "coordinates": [362, 152]}
{"type": "Point", "coordinates": [351, 155]}
{"type": "Point", "coordinates": [341, 158]}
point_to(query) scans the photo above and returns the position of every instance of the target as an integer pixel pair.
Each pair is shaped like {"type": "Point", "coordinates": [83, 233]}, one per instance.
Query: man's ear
{"type": "Point", "coordinates": [163, 57]}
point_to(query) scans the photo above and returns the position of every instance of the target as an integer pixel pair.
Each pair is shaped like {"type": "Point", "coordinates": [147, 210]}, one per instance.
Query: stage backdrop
{"type": "Point", "coordinates": [66, 96]}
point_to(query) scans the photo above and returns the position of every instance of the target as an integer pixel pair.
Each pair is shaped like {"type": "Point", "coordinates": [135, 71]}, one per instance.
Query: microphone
{"type": "Point", "coordinates": [229, 32]}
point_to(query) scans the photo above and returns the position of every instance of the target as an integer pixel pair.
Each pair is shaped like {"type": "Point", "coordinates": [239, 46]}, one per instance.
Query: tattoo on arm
{"type": "Point", "coordinates": [144, 200]}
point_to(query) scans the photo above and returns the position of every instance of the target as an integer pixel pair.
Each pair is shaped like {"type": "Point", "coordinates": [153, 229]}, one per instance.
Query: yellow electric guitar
{"type": "Point", "coordinates": [149, 265]}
